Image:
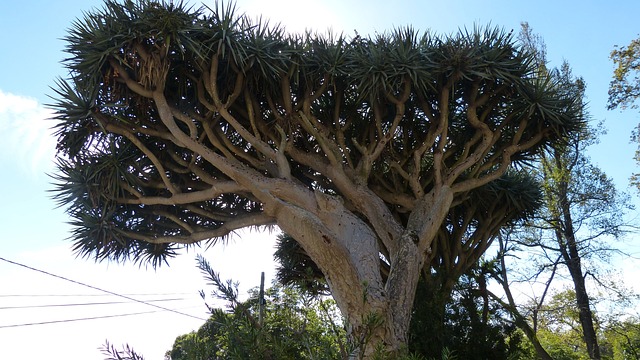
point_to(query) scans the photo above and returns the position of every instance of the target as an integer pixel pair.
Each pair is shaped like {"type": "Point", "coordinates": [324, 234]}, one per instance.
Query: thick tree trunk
{"type": "Point", "coordinates": [346, 249]}
{"type": "Point", "coordinates": [415, 244]}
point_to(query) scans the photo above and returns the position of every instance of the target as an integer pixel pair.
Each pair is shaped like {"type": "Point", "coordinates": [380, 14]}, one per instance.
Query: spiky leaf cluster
{"type": "Point", "coordinates": [399, 112]}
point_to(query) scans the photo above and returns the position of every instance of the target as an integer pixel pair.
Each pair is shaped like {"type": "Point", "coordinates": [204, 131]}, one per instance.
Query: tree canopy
{"type": "Point", "coordinates": [582, 211]}
{"type": "Point", "coordinates": [179, 125]}
{"type": "Point", "coordinates": [625, 86]}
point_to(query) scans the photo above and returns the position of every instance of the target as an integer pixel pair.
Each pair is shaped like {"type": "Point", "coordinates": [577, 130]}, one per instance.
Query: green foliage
{"type": "Point", "coordinates": [559, 326]}
{"type": "Point", "coordinates": [298, 324]}
{"type": "Point", "coordinates": [193, 346]}
{"type": "Point", "coordinates": [570, 235]}
{"type": "Point", "coordinates": [624, 89]}
{"type": "Point", "coordinates": [118, 160]}
{"type": "Point", "coordinates": [563, 346]}
{"type": "Point", "coordinates": [560, 333]}
{"type": "Point", "coordinates": [295, 326]}
{"type": "Point", "coordinates": [624, 338]}
{"type": "Point", "coordinates": [127, 353]}
{"type": "Point", "coordinates": [569, 179]}
{"type": "Point", "coordinates": [465, 323]}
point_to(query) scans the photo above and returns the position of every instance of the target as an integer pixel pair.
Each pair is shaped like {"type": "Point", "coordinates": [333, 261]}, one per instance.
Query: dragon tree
{"type": "Point", "coordinates": [179, 125]}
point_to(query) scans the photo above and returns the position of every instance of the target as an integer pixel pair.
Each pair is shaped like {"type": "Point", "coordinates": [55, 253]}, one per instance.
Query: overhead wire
{"type": "Point", "coordinates": [99, 289]}
{"type": "Point", "coordinates": [80, 304]}
{"type": "Point", "coordinates": [84, 319]}
{"type": "Point", "coordinates": [83, 295]}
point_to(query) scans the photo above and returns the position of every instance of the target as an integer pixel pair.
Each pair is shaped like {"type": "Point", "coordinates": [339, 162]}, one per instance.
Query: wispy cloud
{"type": "Point", "coordinates": [27, 137]}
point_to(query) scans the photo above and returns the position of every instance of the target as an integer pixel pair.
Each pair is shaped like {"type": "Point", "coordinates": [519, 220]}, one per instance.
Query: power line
{"type": "Point", "coordinates": [99, 289]}
{"type": "Point", "coordinates": [80, 304]}
{"type": "Point", "coordinates": [83, 295]}
{"type": "Point", "coordinates": [83, 319]}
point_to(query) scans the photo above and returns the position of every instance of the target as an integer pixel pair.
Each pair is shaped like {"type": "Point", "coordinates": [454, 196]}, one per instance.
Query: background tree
{"type": "Point", "coordinates": [526, 319]}
{"type": "Point", "coordinates": [296, 325]}
{"type": "Point", "coordinates": [180, 125]}
{"type": "Point", "coordinates": [559, 328]}
{"type": "Point", "coordinates": [623, 336]}
{"type": "Point", "coordinates": [472, 325]}
{"type": "Point", "coordinates": [581, 211]}
{"type": "Point", "coordinates": [577, 193]}
{"type": "Point", "coordinates": [624, 89]}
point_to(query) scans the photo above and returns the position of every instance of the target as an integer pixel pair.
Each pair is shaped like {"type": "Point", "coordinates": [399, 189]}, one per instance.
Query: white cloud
{"type": "Point", "coordinates": [27, 137]}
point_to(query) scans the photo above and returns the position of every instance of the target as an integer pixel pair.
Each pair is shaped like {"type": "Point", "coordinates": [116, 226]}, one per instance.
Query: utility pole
{"type": "Point", "coordinates": [261, 301]}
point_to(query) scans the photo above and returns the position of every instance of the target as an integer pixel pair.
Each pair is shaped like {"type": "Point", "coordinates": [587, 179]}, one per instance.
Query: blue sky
{"type": "Point", "coordinates": [33, 231]}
